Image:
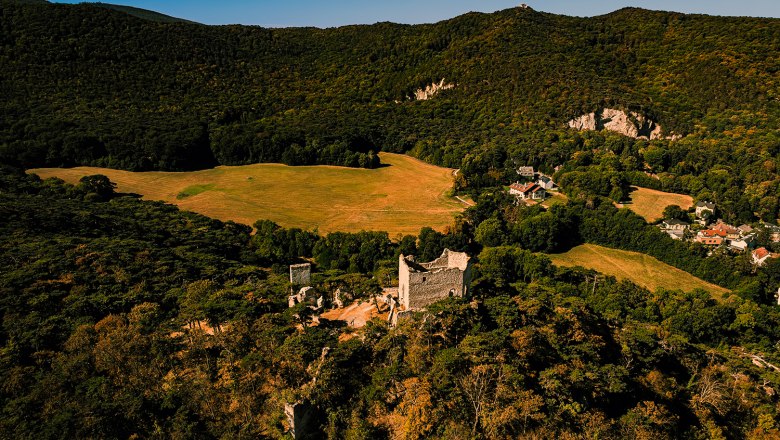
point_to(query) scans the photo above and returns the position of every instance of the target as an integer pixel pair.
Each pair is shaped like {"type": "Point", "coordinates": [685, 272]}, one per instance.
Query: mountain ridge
{"type": "Point", "coordinates": [244, 94]}
{"type": "Point", "coordinates": [145, 14]}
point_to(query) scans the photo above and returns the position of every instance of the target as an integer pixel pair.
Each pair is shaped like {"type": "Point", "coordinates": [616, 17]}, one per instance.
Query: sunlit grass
{"type": "Point", "coordinates": [400, 197]}
{"type": "Point", "coordinates": [639, 268]}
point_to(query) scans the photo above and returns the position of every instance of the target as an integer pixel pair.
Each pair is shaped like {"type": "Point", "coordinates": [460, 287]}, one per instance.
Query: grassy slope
{"type": "Point", "coordinates": [555, 197]}
{"type": "Point", "coordinates": [399, 198]}
{"type": "Point", "coordinates": [650, 203]}
{"type": "Point", "coordinates": [641, 269]}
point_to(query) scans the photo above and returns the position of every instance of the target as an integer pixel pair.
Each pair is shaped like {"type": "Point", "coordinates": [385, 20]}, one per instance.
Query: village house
{"type": "Point", "coordinates": [527, 172]}
{"type": "Point", "coordinates": [529, 191]}
{"type": "Point", "coordinates": [731, 232]}
{"type": "Point", "coordinates": [674, 225]}
{"type": "Point", "coordinates": [738, 239]}
{"type": "Point", "coordinates": [546, 183]}
{"type": "Point", "coordinates": [760, 256]}
{"type": "Point", "coordinates": [742, 244]}
{"type": "Point", "coordinates": [704, 211]}
{"type": "Point", "coordinates": [675, 228]}
{"type": "Point", "coordinates": [711, 237]}
{"type": "Point", "coordinates": [773, 231]}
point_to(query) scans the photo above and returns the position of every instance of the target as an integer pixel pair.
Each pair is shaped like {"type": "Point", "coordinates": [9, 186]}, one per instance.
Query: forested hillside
{"type": "Point", "coordinates": [123, 318]}
{"type": "Point", "coordinates": [89, 85]}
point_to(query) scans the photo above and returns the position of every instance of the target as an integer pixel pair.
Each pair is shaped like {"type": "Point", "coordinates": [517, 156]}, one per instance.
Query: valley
{"type": "Point", "coordinates": [388, 231]}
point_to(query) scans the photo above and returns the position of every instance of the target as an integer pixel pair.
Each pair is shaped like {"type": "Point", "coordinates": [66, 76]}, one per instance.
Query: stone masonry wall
{"type": "Point", "coordinates": [420, 286]}
{"type": "Point", "coordinates": [429, 287]}
{"type": "Point", "coordinates": [403, 282]}
{"type": "Point", "coordinates": [300, 274]}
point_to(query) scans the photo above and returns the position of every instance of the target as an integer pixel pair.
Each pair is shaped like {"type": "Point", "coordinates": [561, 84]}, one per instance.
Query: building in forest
{"type": "Point", "coordinates": [421, 284]}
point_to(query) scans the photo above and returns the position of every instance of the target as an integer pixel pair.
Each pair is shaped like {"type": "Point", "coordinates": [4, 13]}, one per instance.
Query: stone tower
{"type": "Point", "coordinates": [421, 284]}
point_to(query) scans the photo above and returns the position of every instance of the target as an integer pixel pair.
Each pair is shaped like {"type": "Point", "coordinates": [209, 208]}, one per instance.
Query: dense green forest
{"type": "Point", "coordinates": [84, 84]}
{"type": "Point", "coordinates": [123, 318]}
{"type": "Point", "coordinates": [106, 299]}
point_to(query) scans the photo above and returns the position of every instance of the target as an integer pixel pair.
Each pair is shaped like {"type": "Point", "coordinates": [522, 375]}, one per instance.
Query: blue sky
{"type": "Point", "coordinates": [281, 13]}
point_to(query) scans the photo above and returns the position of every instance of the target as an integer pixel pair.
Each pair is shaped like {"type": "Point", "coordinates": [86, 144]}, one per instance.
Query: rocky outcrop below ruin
{"type": "Point", "coordinates": [431, 90]}
{"type": "Point", "coordinates": [630, 124]}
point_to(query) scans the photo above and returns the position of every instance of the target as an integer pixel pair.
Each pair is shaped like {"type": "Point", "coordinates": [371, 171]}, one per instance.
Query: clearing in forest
{"type": "Point", "coordinates": [355, 315]}
{"type": "Point", "coordinates": [650, 203]}
{"type": "Point", "coordinates": [400, 197]}
{"type": "Point", "coordinates": [555, 197]}
{"type": "Point", "coordinates": [636, 267]}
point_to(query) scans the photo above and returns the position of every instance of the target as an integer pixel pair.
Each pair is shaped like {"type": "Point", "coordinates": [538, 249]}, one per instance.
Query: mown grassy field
{"type": "Point", "coordinates": [400, 197]}
{"type": "Point", "coordinates": [650, 203]}
{"type": "Point", "coordinates": [639, 268]}
{"type": "Point", "coordinates": [555, 197]}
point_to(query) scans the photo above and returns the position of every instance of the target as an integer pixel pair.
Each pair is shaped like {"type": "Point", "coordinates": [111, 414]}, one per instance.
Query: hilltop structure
{"type": "Point", "coordinates": [421, 284]}
{"type": "Point", "coordinates": [300, 274]}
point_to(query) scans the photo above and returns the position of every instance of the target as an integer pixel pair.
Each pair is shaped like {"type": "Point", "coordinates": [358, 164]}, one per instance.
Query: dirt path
{"type": "Point", "coordinates": [465, 202]}
{"type": "Point", "coordinates": [355, 315]}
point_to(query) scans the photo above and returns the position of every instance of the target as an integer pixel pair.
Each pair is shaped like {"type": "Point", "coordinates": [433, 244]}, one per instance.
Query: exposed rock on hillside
{"type": "Point", "coordinates": [430, 90]}
{"type": "Point", "coordinates": [629, 124]}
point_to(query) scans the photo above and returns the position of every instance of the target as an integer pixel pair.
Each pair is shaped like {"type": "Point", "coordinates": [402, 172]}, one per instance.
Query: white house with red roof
{"type": "Point", "coordinates": [760, 256]}
{"type": "Point", "coordinates": [711, 237]}
{"type": "Point", "coordinates": [731, 232]}
{"type": "Point", "coordinates": [528, 191]}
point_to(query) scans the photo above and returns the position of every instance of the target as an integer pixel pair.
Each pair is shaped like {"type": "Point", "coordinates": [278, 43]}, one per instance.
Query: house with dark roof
{"type": "Point", "coordinates": [675, 228]}
{"type": "Point", "coordinates": [675, 224]}
{"type": "Point", "coordinates": [704, 210]}
{"type": "Point", "coordinates": [546, 183]}
{"type": "Point", "coordinates": [745, 229]}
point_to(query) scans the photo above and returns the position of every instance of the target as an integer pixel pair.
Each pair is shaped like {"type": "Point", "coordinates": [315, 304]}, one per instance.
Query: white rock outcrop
{"type": "Point", "coordinates": [630, 124]}
{"type": "Point", "coordinates": [431, 90]}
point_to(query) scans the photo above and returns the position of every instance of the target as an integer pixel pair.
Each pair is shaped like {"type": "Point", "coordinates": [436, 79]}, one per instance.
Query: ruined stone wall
{"type": "Point", "coordinates": [403, 281]}
{"type": "Point", "coordinates": [448, 259]}
{"type": "Point", "coordinates": [302, 421]}
{"type": "Point", "coordinates": [428, 287]}
{"type": "Point", "coordinates": [420, 286]}
{"type": "Point", "coordinates": [300, 274]}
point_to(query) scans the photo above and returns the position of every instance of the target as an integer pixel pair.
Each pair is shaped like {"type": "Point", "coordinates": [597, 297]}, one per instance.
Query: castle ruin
{"type": "Point", "coordinates": [421, 284]}
{"type": "Point", "coordinates": [300, 274]}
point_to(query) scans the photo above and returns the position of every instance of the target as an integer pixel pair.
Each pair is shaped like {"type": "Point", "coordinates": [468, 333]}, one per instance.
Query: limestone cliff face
{"type": "Point", "coordinates": [431, 90]}
{"type": "Point", "coordinates": [629, 124]}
